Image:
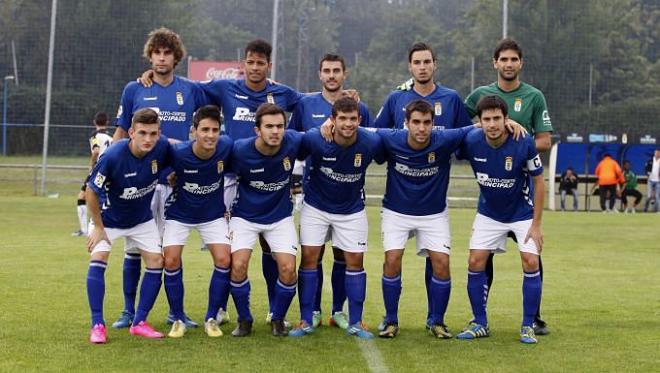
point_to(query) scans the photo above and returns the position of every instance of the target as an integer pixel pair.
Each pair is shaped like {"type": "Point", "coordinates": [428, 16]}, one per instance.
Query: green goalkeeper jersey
{"type": "Point", "coordinates": [526, 104]}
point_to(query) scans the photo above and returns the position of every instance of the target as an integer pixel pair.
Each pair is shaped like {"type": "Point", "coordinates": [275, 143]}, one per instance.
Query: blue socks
{"type": "Point", "coordinates": [477, 288]}
{"type": "Point", "coordinates": [428, 273]}
{"type": "Point", "coordinates": [531, 290]}
{"type": "Point", "coordinates": [306, 290]}
{"type": "Point", "coordinates": [269, 269]}
{"type": "Point", "coordinates": [284, 294]}
{"type": "Point", "coordinates": [131, 278]}
{"type": "Point", "coordinates": [151, 282]}
{"type": "Point", "coordinates": [319, 285]}
{"type": "Point", "coordinates": [338, 285]}
{"type": "Point", "coordinates": [391, 295]}
{"type": "Point", "coordinates": [96, 290]}
{"type": "Point", "coordinates": [240, 291]}
{"type": "Point", "coordinates": [356, 291]}
{"type": "Point", "coordinates": [174, 290]}
{"type": "Point", "coordinates": [218, 292]}
{"type": "Point", "coordinates": [440, 291]}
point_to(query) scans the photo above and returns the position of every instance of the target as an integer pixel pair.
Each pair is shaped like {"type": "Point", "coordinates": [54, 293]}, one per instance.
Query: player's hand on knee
{"type": "Point", "coordinates": [515, 128]}
{"type": "Point", "coordinates": [536, 235]}
{"type": "Point", "coordinates": [146, 78]}
{"type": "Point", "coordinates": [95, 236]}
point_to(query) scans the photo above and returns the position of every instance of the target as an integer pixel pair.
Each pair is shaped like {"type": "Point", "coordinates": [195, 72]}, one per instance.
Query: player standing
{"type": "Point", "coordinates": [505, 169]}
{"type": "Point", "coordinates": [197, 203]}
{"type": "Point", "coordinates": [118, 197]}
{"type": "Point", "coordinates": [529, 110]}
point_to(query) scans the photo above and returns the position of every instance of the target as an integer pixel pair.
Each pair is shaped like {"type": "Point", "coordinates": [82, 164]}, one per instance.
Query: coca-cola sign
{"type": "Point", "coordinates": [205, 70]}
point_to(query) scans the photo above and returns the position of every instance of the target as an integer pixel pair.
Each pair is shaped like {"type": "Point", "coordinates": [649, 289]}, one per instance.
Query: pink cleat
{"type": "Point", "coordinates": [143, 329]}
{"type": "Point", "coordinates": [98, 334]}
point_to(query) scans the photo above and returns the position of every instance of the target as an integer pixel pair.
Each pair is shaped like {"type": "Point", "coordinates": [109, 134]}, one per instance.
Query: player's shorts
{"type": "Point", "coordinates": [432, 231]}
{"type": "Point", "coordinates": [143, 236]}
{"type": "Point", "coordinates": [231, 189]}
{"type": "Point", "coordinates": [490, 234]}
{"type": "Point", "coordinates": [281, 235]}
{"type": "Point", "coordinates": [161, 193]}
{"type": "Point", "coordinates": [212, 232]}
{"type": "Point", "coordinates": [349, 231]}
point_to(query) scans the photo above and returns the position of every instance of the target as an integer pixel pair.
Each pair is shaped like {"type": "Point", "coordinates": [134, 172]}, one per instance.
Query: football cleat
{"type": "Point", "coordinates": [390, 331]}
{"type": "Point", "coordinates": [222, 317]}
{"type": "Point", "coordinates": [473, 331]}
{"type": "Point", "coordinates": [98, 334]}
{"type": "Point", "coordinates": [339, 320]}
{"type": "Point", "coordinates": [527, 335]}
{"type": "Point", "coordinates": [124, 321]}
{"type": "Point", "coordinates": [540, 327]}
{"type": "Point", "coordinates": [440, 331]}
{"type": "Point", "coordinates": [78, 233]}
{"type": "Point", "coordinates": [178, 329]}
{"type": "Point", "coordinates": [143, 329]}
{"type": "Point", "coordinates": [212, 329]}
{"type": "Point", "coordinates": [187, 320]}
{"type": "Point", "coordinates": [359, 330]}
{"type": "Point", "coordinates": [278, 328]}
{"type": "Point", "coordinates": [269, 318]}
{"type": "Point", "coordinates": [317, 319]}
{"type": "Point", "coordinates": [243, 329]}
{"type": "Point", "coordinates": [301, 330]}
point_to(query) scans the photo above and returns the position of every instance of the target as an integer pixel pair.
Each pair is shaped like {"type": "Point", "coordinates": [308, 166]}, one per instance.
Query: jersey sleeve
{"type": "Point", "coordinates": [125, 111]}
{"type": "Point", "coordinates": [454, 137]}
{"type": "Point", "coordinates": [540, 117]}
{"type": "Point", "coordinates": [377, 147]}
{"type": "Point", "coordinates": [213, 91]}
{"type": "Point", "coordinates": [307, 144]}
{"type": "Point", "coordinates": [366, 117]}
{"type": "Point", "coordinates": [295, 122]}
{"type": "Point", "coordinates": [292, 99]}
{"type": "Point", "coordinates": [462, 118]}
{"type": "Point", "coordinates": [98, 178]}
{"type": "Point", "coordinates": [200, 96]}
{"type": "Point", "coordinates": [385, 119]}
{"type": "Point", "coordinates": [534, 164]}
{"type": "Point", "coordinates": [471, 103]}
{"type": "Point", "coordinates": [93, 142]}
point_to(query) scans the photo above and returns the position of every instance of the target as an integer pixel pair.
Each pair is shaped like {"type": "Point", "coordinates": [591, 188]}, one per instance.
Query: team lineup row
{"type": "Point", "coordinates": [124, 189]}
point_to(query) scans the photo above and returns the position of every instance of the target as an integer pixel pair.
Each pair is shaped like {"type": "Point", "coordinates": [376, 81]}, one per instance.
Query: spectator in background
{"type": "Point", "coordinates": [629, 189]}
{"type": "Point", "coordinates": [609, 177]}
{"type": "Point", "coordinates": [569, 184]}
{"type": "Point", "coordinates": [653, 171]}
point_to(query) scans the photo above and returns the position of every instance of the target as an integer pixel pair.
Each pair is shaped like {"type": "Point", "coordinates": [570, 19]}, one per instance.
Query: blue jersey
{"type": "Point", "coordinates": [264, 182]}
{"type": "Point", "coordinates": [239, 103]}
{"type": "Point", "coordinates": [314, 109]}
{"type": "Point", "coordinates": [449, 109]}
{"type": "Point", "coordinates": [175, 105]}
{"type": "Point", "coordinates": [125, 183]}
{"type": "Point", "coordinates": [335, 181]}
{"type": "Point", "coordinates": [417, 180]}
{"type": "Point", "coordinates": [198, 195]}
{"type": "Point", "coordinates": [504, 175]}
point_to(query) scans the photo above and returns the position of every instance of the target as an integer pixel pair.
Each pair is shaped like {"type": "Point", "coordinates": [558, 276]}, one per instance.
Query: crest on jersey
{"type": "Point", "coordinates": [221, 166]}
{"type": "Point", "coordinates": [438, 108]}
{"type": "Point", "coordinates": [517, 106]}
{"type": "Point", "coordinates": [508, 163]}
{"type": "Point", "coordinates": [357, 161]}
{"type": "Point", "coordinates": [179, 98]}
{"type": "Point", "coordinates": [154, 166]}
{"type": "Point", "coordinates": [270, 99]}
{"type": "Point", "coordinates": [286, 163]}
{"type": "Point", "coordinates": [431, 157]}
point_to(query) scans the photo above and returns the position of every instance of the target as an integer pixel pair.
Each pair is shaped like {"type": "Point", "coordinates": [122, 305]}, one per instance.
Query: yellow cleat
{"type": "Point", "coordinates": [212, 329]}
{"type": "Point", "coordinates": [178, 329]}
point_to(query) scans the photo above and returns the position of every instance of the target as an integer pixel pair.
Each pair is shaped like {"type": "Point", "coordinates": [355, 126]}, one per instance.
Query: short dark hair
{"type": "Point", "coordinates": [206, 112]}
{"type": "Point", "coordinates": [164, 38]}
{"type": "Point", "coordinates": [421, 106]}
{"type": "Point", "coordinates": [101, 119]}
{"type": "Point", "coordinates": [332, 58]}
{"type": "Point", "coordinates": [268, 109]}
{"type": "Point", "coordinates": [505, 45]}
{"type": "Point", "coordinates": [420, 47]}
{"type": "Point", "coordinates": [145, 116]}
{"type": "Point", "coordinates": [345, 105]}
{"type": "Point", "coordinates": [492, 102]}
{"type": "Point", "coordinates": [259, 46]}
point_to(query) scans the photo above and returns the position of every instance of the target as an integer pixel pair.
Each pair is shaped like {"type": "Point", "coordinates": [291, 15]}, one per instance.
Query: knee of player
{"type": "Point", "coordinates": [172, 262]}
{"type": "Point", "coordinates": [391, 267]}
{"type": "Point", "coordinates": [530, 262]}
{"type": "Point", "coordinates": [239, 268]}
{"type": "Point", "coordinates": [154, 261]}
{"type": "Point", "coordinates": [222, 262]}
{"type": "Point", "coordinates": [477, 263]}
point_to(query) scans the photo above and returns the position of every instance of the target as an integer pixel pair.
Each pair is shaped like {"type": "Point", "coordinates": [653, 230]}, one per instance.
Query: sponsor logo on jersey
{"type": "Point", "coordinates": [438, 108]}
{"type": "Point", "coordinates": [135, 193]}
{"type": "Point", "coordinates": [131, 174]}
{"type": "Point", "coordinates": [221, 166]}
{"type": "Point", "coordinates": [517, 105]}
{"type": "Point", "coordinates": [508, 163]}
{"type": "Point", "coordinates": [415, 172]}
{"type": "Point", "coordinates": [318, 115]}
{"type": "Point", "coordinates": [150, 98]}
{"type": "Point", "coordinates": [357, 161]}
{"type": "Point", "coordinates": [179, 98]}
{"type": "Point", "coordinates": [189, 171]}
{"type": "Point", "coordinates": [479, 159]}
{"type": "Point", "coordinates": [270, 98]}
{"type": "Point", "coordinates": [241, 97]}
{"type": "Point", "coordinates": [244, 114]}
{"type": "Point", "coordinates": [99, 180]}
{"type": "Point", "coordinates": [256, 171]}
{"type": "Point", "coordinates": [342, 178]}
{"type": "Point", "coordinates": [154, 166]}
{"type": "Point", "coordinates": [485, 180]}
{"type": "Point", "coordinates": [195, 188]}
{"type": "Point", "coordinates": [546, 118]}
{"type": "Point", "coordinates": [286, 163]}
{"type": "Point", "coordinates": [431, 157]}
{"type": "Point", "coordinates": [269, 187]}
{"type": "Point", "coordinates": [329, 159]}
{"type": "Point", "coordinates": [401, 156]}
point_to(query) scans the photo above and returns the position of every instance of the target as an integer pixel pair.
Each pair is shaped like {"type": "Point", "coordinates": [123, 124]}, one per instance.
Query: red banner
{"type": "Point", "coordinates": [205, 70]}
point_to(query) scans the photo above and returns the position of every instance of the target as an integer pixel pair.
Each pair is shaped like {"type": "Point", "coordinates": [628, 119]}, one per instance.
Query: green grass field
{"type": "Point", "coordinates": [600, 300]}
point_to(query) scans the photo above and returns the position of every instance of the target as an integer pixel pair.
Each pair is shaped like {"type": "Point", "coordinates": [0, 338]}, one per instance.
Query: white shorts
{"type": "Point", "coordinates": [489, 234]}
{"type": "Point", "coordinates": [281, 235]}
{"type": "Point", "coordinates": [349, 232]}
{"type": "Point", "coordinates": [212, 232]}
{"type": "Point", "coordinates": [231, 188]}
{"type": "Point", "coordinates": [432, 231]}
{"type": "Point", "coordinates": [142, 237]}
{"type": "Point", "coordinates": [161, 193]}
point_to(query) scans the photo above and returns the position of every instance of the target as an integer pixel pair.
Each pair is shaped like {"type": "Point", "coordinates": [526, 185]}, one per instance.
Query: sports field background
{"type": "Point", "coordinates": [601, 300]}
